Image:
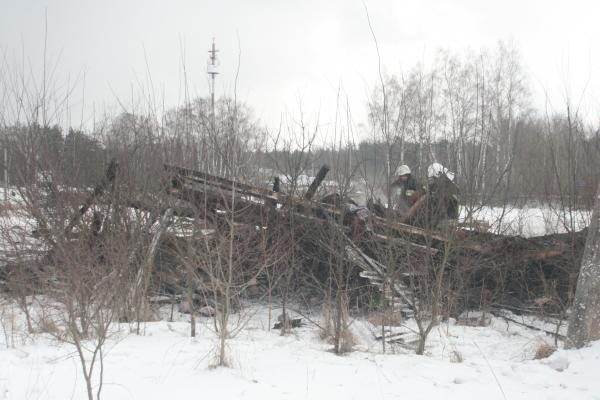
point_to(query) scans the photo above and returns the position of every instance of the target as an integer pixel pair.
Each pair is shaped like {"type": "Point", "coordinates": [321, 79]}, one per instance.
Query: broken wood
{"type": "Point", "coordinates": [138, 290]}
{"type": "Point", "coordinates": [109, 176]}
{"type": "Point", "coordinates": [400, 291]}
{"type": "Point", "coordinates": [501, 314]}
{"type": "Point", "coordinates": [399, 242]}
{"type": "Point", "coordinates": [316, 182]}
{"type": "Point", "coordinates": [498, 262]}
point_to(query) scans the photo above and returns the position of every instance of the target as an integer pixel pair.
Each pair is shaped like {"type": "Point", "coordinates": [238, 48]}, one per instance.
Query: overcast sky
{"type": "Point", "coordinates": [293, 51]}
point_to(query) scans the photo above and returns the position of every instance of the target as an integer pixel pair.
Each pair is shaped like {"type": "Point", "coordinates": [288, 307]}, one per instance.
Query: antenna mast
{"type": "Point", "coordinates": [212, 72]}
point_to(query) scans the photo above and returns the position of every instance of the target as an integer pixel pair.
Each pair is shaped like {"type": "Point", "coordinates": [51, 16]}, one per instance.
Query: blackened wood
{"type": "Point", "coordinates": [109, 177]}
{"type": "Point", "coordinates": [316, 182]}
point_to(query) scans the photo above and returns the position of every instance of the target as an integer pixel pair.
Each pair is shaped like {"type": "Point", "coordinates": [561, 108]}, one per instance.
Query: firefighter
{"type": "Point", "coordinates": [405, 188]}
{"type": "Point", "coordinates": [442, 204]}
{"type": "Point", "coordinates": [437, 204]}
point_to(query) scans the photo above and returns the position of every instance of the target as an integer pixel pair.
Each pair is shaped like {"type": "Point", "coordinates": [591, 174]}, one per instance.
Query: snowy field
{"type": "Point", "coordinates": [164, 362]}
{"type": "Point", "coordinates": [493, 362]}
{"type": "Point", "coordinates": [530, 221]}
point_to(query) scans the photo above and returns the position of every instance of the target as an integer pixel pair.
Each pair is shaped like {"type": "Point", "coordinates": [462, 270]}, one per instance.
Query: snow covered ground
{"type": "Point", "coordinates": [530, 221]}
{"type": "Point", "coordinates": [164, 362]}
{"type": "Point", "coordinates": [493, 362]}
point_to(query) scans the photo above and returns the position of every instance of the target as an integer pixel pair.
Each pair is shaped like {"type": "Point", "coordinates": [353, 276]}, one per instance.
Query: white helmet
{"type": "Point", "coordinates": [436, 170]}
{"type": "Point", "coordinates": [403, 170]}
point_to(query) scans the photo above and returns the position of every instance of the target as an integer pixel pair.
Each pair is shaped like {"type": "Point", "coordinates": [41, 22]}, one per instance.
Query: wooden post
{"type": "Point", "coordinates": [316, 182]}
{"type": "Point", "coordinates": [584, 321]}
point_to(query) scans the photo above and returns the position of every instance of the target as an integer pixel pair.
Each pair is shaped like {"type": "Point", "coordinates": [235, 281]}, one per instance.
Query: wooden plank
{"type": "Point", "coordinates": [402, 242]}
{"type": "Point", "coordinates": [201, 182]}
{"type": "Point", "coordinates": [436, 235]}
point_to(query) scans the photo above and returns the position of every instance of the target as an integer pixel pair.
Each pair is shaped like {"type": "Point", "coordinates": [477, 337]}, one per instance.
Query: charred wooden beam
{"type": "Point", "coordinates": [316, 182]}
{"type": "Point", "coordinates": [109, 177]}
{"type": "Point", "coordinates": [219, 182]}
{"type": "Point", "coordinates": [403, 243]}
{"type": "Point", "coordinates": [203, 183]}
{"type": "Point", "coordinates": [179, 210]}
{"type": "Point", "coordinates": [198, 187]}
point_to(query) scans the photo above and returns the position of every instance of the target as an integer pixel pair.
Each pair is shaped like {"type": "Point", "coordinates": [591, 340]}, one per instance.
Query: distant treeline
{"type": "Point", "coordinates": [473, 114]}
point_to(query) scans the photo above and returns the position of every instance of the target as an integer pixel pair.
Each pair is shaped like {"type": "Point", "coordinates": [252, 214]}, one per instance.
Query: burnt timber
{"type": "Point", "coordinates": [523, 274]}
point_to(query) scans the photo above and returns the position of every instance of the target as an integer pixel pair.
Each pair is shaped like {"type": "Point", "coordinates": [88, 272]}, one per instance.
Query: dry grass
{"type": "Point", "coordinates": [327, 332]}
{"type": "Point", "coordinates": [387, 317]}
{"type": "Point", "coordinates": [543, 350]}
{"type": "Point", "coordinates": [47, 325]}
{"type": "Point", "coordinates": [456, 357]}
{"type": "Point", "coordinates": [347, 341]}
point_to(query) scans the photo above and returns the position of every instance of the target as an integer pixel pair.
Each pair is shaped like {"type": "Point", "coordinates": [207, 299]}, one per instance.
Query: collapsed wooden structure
{"type": "Point", "coordinates": [484, 269]}
{"type": "Point", "coordinates": [481, 269]}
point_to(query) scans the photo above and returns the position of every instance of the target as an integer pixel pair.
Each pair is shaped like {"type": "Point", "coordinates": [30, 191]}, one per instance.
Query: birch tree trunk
{"type": "Point", "coordinates": [584, 322]}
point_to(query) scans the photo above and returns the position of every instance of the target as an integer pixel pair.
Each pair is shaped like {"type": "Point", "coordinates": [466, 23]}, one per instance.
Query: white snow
{"type": "Point", "coordinates": [530, 221]}
{"type": "Point", "coordinates": [493, 362]}
{"type": "Point", "coordinates": [164, 362]}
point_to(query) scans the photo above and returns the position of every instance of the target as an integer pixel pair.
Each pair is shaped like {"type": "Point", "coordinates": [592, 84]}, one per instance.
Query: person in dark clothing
{"type": "Point", "coordinates": [442, 196]}
{"type": "Point", "coordinates": [405, 187]}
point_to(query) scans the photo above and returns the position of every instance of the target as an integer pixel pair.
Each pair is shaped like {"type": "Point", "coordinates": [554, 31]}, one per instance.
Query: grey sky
{"type": "Point", "coordinates": [293, 51]}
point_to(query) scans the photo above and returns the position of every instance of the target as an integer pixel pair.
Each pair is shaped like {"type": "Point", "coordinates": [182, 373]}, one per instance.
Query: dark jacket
{"type": "Point", "coordinates": [440, 205]}
{"type": "Point", "coordinates": [443, 200]}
